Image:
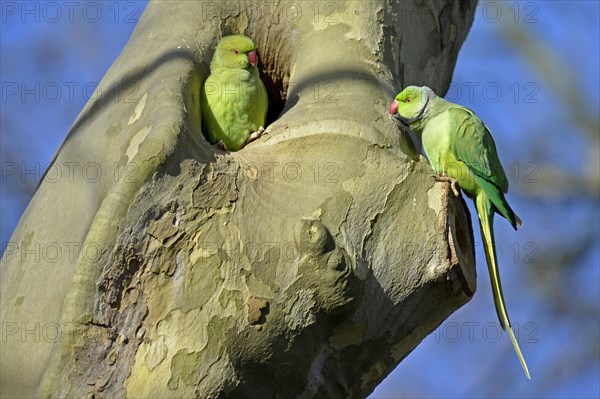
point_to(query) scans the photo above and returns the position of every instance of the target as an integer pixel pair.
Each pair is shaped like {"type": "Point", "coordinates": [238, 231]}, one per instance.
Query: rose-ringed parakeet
{"type": "Point", "coordinates": [459, 146]}
{"type": "Point", "coordinates": [233, 99]}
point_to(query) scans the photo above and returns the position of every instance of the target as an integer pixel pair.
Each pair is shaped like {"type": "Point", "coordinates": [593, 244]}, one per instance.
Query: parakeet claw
{"type": "Point", "coordinates": [454, 188]}
{"type": "Point", "coordinates": [256, 135]}
{"type": "Point", "coordinates": [453, 183]}
{"type": "Point", "coordinates": [221, 145]}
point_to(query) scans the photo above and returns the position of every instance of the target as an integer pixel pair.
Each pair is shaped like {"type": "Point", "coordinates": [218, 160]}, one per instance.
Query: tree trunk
{"type": "Point", "coordinates": [310, 263]}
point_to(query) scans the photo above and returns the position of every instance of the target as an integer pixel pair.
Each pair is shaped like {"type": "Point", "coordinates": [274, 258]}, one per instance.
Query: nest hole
{"type": "Point", "coordinates": [276, 87]}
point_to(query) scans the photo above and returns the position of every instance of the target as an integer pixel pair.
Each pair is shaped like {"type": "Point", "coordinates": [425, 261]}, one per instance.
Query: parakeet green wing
{"type": "Point", "coordinates": [473, 144]}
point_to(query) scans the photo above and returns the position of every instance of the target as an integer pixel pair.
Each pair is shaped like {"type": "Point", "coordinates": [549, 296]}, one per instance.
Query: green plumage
{"type": "Point", "coordinates": [459, 145]}
{"type": "Point", "coordinates": [233, 99]}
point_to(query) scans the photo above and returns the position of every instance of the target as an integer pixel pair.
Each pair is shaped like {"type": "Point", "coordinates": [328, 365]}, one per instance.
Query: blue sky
{"type": "Point", "coordinates": [52, 56]}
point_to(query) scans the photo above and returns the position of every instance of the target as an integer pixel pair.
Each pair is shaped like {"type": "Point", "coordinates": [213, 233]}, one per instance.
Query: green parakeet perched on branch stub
{"type": "Point", "coordinates": [461, 149]}
{"type": "Point", "coordinates": [233, 99]}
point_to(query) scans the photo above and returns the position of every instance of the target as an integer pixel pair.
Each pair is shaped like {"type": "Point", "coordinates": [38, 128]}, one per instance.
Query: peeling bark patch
{"type": "Point", "coordinates": [229, 296]}
{"type": "Point", "coordinates": [135, 142]}
{"type": "Point", "coordinates": [184, 367]}
{"type": "Point", "coordinates": [138, 109]}
{"type": "Point", "coordinates": [258, 308]}
{"type": "Point", "coordinates": [200, 281]}
{"type": "Point", "coordinates": [335, 211]}
{"type": "Point", "coordinates": [216, 189]}
{"type": "Point", "coordinates": [301, 313]}
{"type": "Point", "coordinates": [236, 23]}
{"type": "Point", "coordinates": [156, 353]}
{"type": "Point", "coordinates": [164, 230]}
{"type": "Point", "coordinates": [160, 235]}
{"type": "Point", "coordinates": [435, 200]}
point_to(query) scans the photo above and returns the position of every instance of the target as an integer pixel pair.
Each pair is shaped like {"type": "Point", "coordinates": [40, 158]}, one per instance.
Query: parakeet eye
{"type": "Point", "coordinates": [236, 52]}
{"type": "Point", "coordinates": [408, 99]}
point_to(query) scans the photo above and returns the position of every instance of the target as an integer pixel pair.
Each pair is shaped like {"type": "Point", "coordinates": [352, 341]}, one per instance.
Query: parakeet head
{"type": "Point", "coordinates": [411, 103]}
{"type": "Point", "coordinates": [236, 52]}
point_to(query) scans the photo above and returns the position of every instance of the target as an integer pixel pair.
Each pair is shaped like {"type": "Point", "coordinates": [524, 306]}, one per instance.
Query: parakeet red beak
{"type": "Point", "coordinates": [393, 108]}
{"type": "Point", "coordinates": [252, 58]}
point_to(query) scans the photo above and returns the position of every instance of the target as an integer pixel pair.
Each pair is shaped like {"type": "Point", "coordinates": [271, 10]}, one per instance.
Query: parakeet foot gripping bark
{"type": "Point", "coordinates": [256, 135]}
{"type": "Point", "coordinates": [453, 183]}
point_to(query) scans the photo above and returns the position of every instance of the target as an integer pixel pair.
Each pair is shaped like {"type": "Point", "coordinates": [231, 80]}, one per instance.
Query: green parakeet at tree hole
{"type": "Point", "coordinates": [459, 145]}
{"type": "Point", "coordinates": [233, 99]}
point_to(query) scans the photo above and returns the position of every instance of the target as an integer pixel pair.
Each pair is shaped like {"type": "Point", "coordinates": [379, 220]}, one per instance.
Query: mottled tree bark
{"type": "Point", "coordinates": [310, 263]}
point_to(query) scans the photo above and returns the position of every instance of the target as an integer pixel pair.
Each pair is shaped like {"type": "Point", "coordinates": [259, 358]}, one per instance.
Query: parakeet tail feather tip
{"type": "Point", "coordinates": [513, 339]}
{"type": "Point", "coordinates": [519, 222]}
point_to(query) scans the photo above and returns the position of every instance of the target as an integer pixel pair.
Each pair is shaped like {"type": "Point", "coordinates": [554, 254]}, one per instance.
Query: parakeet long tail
{"type": "Point", "coordinates": [485, 211]}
